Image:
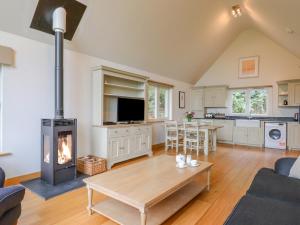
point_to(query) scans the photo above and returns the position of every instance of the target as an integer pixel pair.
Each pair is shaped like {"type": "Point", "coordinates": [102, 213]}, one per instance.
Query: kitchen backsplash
{"type": "Point", "coordinates": [284, 112]}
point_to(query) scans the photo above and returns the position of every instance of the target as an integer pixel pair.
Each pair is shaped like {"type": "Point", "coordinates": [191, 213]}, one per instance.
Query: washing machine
{"type": "Point", "coordinates": [275, 135]}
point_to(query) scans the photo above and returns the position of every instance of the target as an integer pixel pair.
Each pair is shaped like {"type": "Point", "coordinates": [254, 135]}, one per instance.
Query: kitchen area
{"type": "Point", "coordinates": [249, 115]}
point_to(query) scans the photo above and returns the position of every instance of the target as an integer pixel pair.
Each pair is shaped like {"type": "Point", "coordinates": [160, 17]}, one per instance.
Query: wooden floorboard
{"type": "Point", "coordinates": [232, 173]}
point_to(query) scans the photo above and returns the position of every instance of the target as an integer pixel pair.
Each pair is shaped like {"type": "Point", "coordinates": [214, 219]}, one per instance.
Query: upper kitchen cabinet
{"type": "Point", "coordinates": [289, 93]}
{"type": "Point", "coordinates": [215, 96]}
{"type": "Point", "coordinates": [197, 101]}
{"type": "Point", "coordinates": [294, 94]}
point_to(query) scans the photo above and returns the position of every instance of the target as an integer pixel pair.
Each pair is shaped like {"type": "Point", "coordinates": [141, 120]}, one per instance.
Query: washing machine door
{"type": "Point", "coordinates": [275, 134]}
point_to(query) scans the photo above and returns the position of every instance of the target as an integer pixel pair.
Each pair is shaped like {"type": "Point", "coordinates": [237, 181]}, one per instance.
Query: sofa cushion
{"type": "Point", "coordinates": [283, 166]}
{"type": "Point", "coordinates": [295, 170]}
{"type": "Point", "coordinates": [253, 210]}
{"type": "Point", "coordinates": [10, 197]}
{"type": "Point", "coordinates": [268, 184]}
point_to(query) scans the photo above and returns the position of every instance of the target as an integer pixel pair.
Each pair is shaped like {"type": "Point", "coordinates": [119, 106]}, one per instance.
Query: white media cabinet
{"type": "Point", "coordinates": [119, 142]}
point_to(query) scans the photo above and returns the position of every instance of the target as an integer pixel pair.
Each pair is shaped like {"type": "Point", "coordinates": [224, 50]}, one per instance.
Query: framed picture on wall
{"type": "Point", "coordinates": [248, 67]}
{"type": "Point", "coordinates": [181, 99]}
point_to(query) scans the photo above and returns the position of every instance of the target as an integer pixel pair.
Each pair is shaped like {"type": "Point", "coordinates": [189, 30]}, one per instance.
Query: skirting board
{"type": "Point", "coordinates": [18, 179]}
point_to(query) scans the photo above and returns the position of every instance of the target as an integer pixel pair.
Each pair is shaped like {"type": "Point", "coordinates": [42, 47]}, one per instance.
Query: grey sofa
{"type": "Point", "coordinates": [272, 199]}
{"type": "Point", "coordinates": [10, 202]}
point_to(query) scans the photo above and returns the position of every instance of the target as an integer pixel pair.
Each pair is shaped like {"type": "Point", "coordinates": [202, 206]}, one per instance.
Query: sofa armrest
{"type": "Point", "coordinates": [284, 165]}
{"type": "Point", "coordinates": [10, 197]}
{"type": "Point", "coordinates": [2, 177]}
{"type": "Point", "coordinates": [11, 216]}
{"type": "Point", "coordinates": [268, 184]}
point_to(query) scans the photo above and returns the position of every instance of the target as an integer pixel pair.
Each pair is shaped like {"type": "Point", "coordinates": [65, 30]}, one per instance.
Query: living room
{"type": "Point", "coordinates": [158, 92]}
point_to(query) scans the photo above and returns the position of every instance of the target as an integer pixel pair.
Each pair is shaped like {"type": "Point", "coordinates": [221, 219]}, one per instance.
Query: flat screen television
{"type": "Point", "coordinates": [130, 109]}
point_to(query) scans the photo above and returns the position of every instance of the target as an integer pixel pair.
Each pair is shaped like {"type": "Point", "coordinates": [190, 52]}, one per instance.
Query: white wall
{"type": "Point", "coordinates": [276, 63]}
{"type": "Point", "coordinates": [28, 96]}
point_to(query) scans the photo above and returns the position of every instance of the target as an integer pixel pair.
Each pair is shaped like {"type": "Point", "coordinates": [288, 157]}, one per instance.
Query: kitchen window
{"type": "Point", "coordinates": [250, 102]}
{"type": "Point", "coordinates": [159, 101]}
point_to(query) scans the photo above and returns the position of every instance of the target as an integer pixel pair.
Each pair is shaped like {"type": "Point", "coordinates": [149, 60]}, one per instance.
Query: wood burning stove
{"type": "Point", "coordinates": [59, 137]}
{"type": "Point", "coordinates": [59, 147]}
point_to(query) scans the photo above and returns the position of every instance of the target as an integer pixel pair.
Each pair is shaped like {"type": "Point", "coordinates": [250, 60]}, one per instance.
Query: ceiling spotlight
{"type": "Point", "coordinates": [236, 11]}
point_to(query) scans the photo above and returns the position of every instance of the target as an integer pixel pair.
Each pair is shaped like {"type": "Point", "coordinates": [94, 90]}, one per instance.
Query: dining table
{"type": "Point", "coordinates": [207, 129]}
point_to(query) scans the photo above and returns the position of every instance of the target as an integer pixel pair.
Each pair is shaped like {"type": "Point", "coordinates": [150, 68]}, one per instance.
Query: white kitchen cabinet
{"type": "Point", "coordinates": [225, 134]}
{"type": "Point", "coordinates": [294, 94]}
{"type": "Point", "coordinates": [240, 136]}
{"type": "Point", "coordinates": [294, 136]}
{"type": "Point", "coordinates": [117, 143]}
{"type": "Point", "coordinates": [255, 136]}
{"type": "Point", "coordinates": [215, 96]}
{"type": "Point", "coordinates": [251, 136]}
{"type": "Point", "coordinates": [197, 99]}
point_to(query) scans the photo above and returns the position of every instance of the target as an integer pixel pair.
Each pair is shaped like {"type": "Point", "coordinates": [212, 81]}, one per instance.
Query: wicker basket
{"type": "Point", "coordinates": [91, 165]}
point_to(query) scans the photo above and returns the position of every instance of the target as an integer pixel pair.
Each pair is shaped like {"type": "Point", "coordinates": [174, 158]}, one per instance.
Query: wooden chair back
{"type": "Point", "coordinates": [171, 129]}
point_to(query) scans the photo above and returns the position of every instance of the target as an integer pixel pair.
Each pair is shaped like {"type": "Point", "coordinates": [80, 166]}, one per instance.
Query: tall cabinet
{"type": "Point", "coordinates": [117, 142]}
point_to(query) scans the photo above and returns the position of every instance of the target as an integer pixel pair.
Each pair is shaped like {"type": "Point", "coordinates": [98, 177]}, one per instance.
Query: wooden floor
{"type": "Point", "coordinates": [233, 171]}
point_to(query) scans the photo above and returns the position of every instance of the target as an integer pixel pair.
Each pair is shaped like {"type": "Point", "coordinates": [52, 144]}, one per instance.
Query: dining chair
{"type": "Point", "coordinates": [192, 136]}
{"type": "Point", "coordinates": [173, 135]}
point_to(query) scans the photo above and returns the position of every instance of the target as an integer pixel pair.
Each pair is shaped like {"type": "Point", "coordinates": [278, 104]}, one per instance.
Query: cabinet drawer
{"type": "Point", "coordinates": [118, 132]}
{"type": "Point", "coordinates": [141, 129]}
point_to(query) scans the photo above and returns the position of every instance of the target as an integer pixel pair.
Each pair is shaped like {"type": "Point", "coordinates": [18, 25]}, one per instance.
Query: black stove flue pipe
{"type": "Point", "coordinates": [59, 28]}
{"type": "Point", "coordinates": [59, 75]}
{"type": "Point", "coordinates": [57, 24]}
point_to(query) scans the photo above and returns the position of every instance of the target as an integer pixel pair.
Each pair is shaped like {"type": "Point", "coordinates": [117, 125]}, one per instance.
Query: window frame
{"type": "Point", "coordinates": [168, 103]}
{"type": "Point", "coordinates": [248, 102]}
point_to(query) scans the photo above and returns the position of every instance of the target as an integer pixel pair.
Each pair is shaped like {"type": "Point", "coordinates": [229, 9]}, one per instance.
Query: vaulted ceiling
{"type": "Point", "coordinates": [175, 38]}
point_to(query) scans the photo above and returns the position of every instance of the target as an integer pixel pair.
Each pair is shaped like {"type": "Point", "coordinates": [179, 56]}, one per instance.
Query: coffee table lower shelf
{"type": "Point", "coordinates": [124, 214]}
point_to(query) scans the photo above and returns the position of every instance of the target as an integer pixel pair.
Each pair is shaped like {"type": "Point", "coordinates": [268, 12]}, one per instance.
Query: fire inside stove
{"type": "Point", "coordinates": [64, 148]}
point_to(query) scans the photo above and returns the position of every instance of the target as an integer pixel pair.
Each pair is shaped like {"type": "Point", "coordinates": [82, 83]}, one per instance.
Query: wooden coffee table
{"type": "Point", "coordinates": [147, 192]}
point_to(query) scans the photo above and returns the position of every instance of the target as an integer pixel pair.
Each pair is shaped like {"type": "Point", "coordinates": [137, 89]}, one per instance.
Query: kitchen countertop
{"type": "Point", "coordinates": [263, 119]}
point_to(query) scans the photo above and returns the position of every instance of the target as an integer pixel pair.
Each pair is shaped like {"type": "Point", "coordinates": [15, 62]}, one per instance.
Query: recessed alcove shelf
{"type": "Point", "coordinates": [288, 93]}
{"type": "Point", "coordinates": [109, 84]}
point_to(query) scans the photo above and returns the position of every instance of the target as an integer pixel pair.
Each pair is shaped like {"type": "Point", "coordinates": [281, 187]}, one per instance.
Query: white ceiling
{"type": "Point", "coordinates": [175, 38]}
